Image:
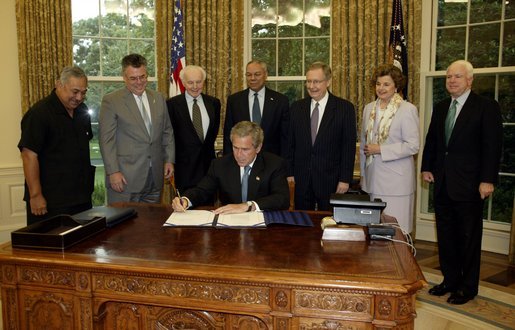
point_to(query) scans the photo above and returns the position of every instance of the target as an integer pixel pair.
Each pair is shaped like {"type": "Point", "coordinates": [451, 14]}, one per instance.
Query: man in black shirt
{"type": "Point", "coordinates": [54, 145]}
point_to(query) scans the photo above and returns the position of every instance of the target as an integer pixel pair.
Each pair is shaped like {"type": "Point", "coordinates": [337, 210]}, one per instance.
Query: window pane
{"type": "Point", "coordinates": [484, 45]}
{"type": "Point", "coordinates": [290, 57]}
{"type": "Point", "coordinates": [502, 200]}
{"type": "Point", "coordinates": [439, 90]}
{"type": "Point", "coordinates": [147, 49]}
{"type": "Point", "coordinates": [86, 27]}
{"type": "Point", "coordinates": [264, 50]}
{"type": "Point", "coordinates": [112, 53]}
{"type": "Point", "coordinates": [485, 11]}
{"type": "Point", "coordinates": [484, 85]}
{"type": "Point", "coordinates": [318, 17]}
{"type": "Point", "coordinates": [508, 51]}
{"type": "Point", "coordinates": [451, 13]}
{"type": "Point", "coordinates": [508, 154]}
{"type": "Point", "coordinates": [507, 98]}
{"type": "Point", "coordinates": [263, 18]}
{"type": "Point", "coordinates": [509, 11]}
{"type": "Point", "coordinates": [85, 18]}
{"type": "Point", "coordinates": [292, 89]}
{"type": "Point", "coordinates": [450, 45]}
{"type": "Point", "coordinates": [316, 50]}
{"type": "Point", "coordinates": [86, 55]}
{"type": "Point", "coordinates": [114, 18]}
{"type": "Point", "coordinates": [142, 19]}
{"type": "Point", "coordinates": [290, 18]}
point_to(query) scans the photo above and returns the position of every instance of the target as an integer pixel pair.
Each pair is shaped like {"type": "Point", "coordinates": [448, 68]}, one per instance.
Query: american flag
{"type": "Point", "coordinates": [397, 54]}
{"type": "Point", "coordinates": [177, 52]}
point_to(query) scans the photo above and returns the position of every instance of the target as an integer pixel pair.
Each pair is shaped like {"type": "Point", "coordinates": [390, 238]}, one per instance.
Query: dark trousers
{"type": "Point", "coordinates": [53, 211]}
{"type": "Point", "coordinates": [308, 200]}
{"type": "Point", "coordinates": [459, 227]}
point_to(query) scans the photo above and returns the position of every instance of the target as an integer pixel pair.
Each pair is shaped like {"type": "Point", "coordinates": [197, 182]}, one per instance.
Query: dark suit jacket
{"type": "Point", "coordinates": [474, 149]}
{"type": "Point", "coordinates": [274, 121]}
{"type": "Point", "coordinates": [331, 159]}
{"type": "Point", "coordinates": [193, 157]}
{"type": "Point", "coordinates": [267, 184]}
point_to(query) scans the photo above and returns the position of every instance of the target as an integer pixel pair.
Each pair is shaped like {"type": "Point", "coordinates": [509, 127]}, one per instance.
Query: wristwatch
{"type": "Point", "coordinates": [249, 204]}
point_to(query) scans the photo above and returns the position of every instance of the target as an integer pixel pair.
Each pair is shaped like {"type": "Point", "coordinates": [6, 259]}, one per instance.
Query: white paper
{"type": "Point", "coordinates": [247, 219]}
{"type": "Point", "coordinates": [190, 218]}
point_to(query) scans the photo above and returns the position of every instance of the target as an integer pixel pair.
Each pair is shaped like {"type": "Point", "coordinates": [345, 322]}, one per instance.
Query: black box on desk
{"type": "Point", "coordinates": [356, 208]}
{"type": "Point", "coordinates": [56, 233]}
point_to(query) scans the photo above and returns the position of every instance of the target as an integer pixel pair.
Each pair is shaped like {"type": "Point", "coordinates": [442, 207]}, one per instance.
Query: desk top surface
{"type": "Point", "coordinates": [282, 253]}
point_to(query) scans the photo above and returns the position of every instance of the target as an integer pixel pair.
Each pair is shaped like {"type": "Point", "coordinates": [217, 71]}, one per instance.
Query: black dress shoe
{"type": "Point", "coordinates": [459, 298]}
{"type": "Point", "coordinates": [439, 290]}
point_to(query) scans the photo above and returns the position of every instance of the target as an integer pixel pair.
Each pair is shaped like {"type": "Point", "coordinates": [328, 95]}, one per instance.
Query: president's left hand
{"type": "Point", "coordinates": [232, 208]}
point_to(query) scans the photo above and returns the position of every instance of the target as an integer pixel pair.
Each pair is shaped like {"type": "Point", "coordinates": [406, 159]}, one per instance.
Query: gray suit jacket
{"type": "Point", "coordinates": [125, 143]}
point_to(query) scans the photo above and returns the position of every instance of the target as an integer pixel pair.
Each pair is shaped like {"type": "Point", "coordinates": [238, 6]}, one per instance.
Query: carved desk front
{"type": "Point", "coordinates": [141, 275]}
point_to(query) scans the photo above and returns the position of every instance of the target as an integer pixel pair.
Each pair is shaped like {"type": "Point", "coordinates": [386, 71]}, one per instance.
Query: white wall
{"type": "Point", "coordinates": [12, 207]}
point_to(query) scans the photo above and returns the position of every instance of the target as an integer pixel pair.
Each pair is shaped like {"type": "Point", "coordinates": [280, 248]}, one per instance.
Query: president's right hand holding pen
{"type": "Point", "coordinates": [179, 204]}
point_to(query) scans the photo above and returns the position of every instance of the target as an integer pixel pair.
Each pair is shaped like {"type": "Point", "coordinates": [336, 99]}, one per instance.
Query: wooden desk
{"type": "Point", "coordinates": [140, 275]}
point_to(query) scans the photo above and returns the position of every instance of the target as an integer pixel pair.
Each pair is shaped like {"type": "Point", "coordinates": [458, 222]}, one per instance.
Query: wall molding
{"type": "Point", "coordinates": [497, 241]}
{"type": "Point", "coordinates": [12, 214]}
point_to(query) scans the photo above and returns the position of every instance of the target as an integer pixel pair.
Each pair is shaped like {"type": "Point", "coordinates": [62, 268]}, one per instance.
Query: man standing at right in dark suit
{"type": "Point", "coordinates": [322, 142]}
{"type": "Point", "coordinates": [195, 120]}
{"type": "Point", "coordinates": [461, 156]}
{"type": "Point", "coordinates": [261, 105]}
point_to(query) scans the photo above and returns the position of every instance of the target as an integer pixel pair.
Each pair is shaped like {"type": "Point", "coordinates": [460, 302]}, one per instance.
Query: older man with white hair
{"type": "Point", "coordinates": [461, 157]}
{"type": "Point", "coordinates": [195, 118]}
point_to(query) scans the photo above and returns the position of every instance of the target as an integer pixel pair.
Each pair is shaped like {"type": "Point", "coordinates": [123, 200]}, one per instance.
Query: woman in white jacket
{"type": "Point", "coordinates": [389, 139]}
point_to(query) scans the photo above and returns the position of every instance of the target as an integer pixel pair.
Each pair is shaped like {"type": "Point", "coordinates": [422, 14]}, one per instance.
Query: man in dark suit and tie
{"type": "Point", "coordinates": [322, 142]}
{"type": "Point", "coordinates": [461, 156]}
{"type": "Point", "coordinates": [248, 179]}
{"type": "Point", "coordinates": [136, 137]}
{"type": "Point", "coordinates": [195, 120]}
{"type": "Point", "coordinates": [261, 105]}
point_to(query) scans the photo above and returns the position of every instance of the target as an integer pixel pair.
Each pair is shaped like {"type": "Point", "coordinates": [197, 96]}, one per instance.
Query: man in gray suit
{"type": "Point", "coordinates": [136, 137]}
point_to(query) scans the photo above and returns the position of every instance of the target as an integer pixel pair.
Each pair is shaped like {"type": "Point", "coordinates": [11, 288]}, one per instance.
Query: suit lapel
{"type": "Point", "coordinates": [153, 110]}
{"type": "Point", "coordinates": [465, 113]}
{"type": "Point", "coordinates": [268, 108]}
{"type": "Point", "coordinates": [306, 119]}
{"type": "Point", "coordinates": [245, 105]}
{"type": "Point", "coordinates": [325, 123]}
{"type": "Point", "coordinates": [132, 105]}
{"type": "Point", "coordinates": [255, 178]}
{"type": "Point", "coordinates": [210, 112]}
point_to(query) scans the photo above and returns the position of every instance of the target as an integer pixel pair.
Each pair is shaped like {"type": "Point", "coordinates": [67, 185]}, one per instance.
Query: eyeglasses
{"type": "Point", "coordinates": [314, 82]}
{"type": "Point", "coordinates": [140, 78]}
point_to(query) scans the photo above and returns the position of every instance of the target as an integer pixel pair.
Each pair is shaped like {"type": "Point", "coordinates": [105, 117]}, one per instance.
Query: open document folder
{"type": "Point", "coordinates": [238, 220]}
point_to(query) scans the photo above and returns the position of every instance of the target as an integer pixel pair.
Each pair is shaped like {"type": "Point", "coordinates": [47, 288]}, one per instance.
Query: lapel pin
{"type": "Point", "coordinates": [258, 178]}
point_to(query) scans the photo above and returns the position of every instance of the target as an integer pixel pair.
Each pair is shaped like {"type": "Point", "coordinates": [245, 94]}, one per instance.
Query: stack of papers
{"type": "Point", "coordinates": [238, 220]}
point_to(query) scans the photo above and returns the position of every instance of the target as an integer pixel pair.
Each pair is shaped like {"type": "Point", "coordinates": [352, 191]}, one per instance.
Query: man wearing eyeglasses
{"type": "Point", "coordinates": [136, 137]}
{"type": "Point", "coordinates": [322, 142]}
{"type": "Point", "coordinates": [261, 105]}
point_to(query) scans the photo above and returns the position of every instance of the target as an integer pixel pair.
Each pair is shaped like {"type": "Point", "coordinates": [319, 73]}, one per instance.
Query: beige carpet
{"type": "Point", "coordinates": [493, 308]}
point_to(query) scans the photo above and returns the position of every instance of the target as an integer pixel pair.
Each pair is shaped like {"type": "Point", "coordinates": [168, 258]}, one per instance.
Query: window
{"type": "Point", "coordinates": [483, 32]}
{"type": "Point", "coordinates": [288, 36]}
{"type": "Point", "coordinates": [104, 31]}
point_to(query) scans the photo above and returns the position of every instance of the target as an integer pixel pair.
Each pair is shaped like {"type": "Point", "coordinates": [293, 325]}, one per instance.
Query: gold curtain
{"type": "Point", "coordinates": [44, 46]}
{"type": "Point", "coordinates": [214, 40]}
{"type": "Point", "coordinates": [164, 24]}
{"type": "Point", "coordinates": [360, 36]}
